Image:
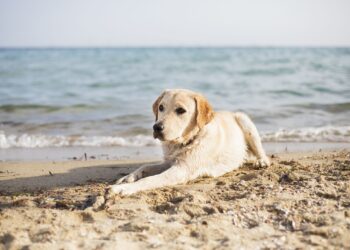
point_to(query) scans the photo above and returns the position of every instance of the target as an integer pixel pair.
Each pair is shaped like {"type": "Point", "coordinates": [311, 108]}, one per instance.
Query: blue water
{"type": "Point", "coordinates": [92, 97]}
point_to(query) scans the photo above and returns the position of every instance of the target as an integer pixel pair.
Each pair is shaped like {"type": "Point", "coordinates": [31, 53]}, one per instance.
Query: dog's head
{"type": "Point", "coordinates": [178, 113]}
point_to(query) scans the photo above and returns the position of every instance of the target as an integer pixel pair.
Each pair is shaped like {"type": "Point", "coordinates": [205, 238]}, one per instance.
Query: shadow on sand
{"type": "Point", "coordinates": [77, 176]}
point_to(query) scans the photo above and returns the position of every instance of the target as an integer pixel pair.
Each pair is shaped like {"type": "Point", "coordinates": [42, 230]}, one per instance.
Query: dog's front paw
{"type": "Point", "coordinates": [122, 189]}
{"type": "Point", "coordinates": [134, 176]}
{"type": "Point", "coordinates": [263, 162]}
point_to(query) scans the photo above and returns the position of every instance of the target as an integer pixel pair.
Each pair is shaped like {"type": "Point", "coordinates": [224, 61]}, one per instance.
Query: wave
{"type": "Point", "coordinates": [330, 108]}
{"type": "Point", "coordinates": [311, 134]}
{"type": "Point", "coordinates": [288, 92]}
{"type": "Point", "coordinates": [268, 72]}
{"type": "Point", "coordinates": [12, 108]}
{"type": "Point", "coordinates": [42, 141]}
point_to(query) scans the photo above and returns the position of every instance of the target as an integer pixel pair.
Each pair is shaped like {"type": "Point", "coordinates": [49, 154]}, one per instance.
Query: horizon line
{"type": "Point", "coordinates": [168, 46]}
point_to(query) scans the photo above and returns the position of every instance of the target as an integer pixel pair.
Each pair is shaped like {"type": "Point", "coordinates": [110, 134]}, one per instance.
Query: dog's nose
{"type": "Point", "coordinates": [158, 127]}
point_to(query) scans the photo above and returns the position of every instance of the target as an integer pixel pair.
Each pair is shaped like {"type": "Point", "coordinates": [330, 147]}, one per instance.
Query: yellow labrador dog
{"type": "Point", "coordinates": [196, 141]}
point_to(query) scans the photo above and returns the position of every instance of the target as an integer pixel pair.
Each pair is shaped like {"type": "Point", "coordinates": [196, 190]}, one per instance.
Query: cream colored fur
{"type": "Point", "coordinates": [196, 143]}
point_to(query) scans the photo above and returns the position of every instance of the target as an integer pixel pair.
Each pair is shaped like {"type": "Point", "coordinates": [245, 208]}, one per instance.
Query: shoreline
{"type": "Point", "coordinates": [140, 153]}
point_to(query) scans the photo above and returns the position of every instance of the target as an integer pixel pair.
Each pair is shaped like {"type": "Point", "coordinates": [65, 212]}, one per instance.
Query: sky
{"type": "Point", "coordinates": [113, 23]}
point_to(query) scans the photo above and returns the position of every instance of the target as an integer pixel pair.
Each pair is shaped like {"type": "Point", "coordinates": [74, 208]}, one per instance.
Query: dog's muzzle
{"type": "Point", "coordinates": [158, 130]}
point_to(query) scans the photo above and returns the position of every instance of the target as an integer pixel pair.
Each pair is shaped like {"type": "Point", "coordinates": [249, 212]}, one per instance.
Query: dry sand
{"type": "Point", "coordinates": [301, 201]}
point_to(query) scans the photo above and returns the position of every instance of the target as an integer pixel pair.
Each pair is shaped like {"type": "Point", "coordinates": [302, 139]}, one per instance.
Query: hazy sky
{"type": "Point", "coordinates": [174, 22]}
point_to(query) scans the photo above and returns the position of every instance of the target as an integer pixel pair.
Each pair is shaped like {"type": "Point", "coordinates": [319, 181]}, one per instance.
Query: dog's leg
{"type": "Point", "coordinates": [144, 171]}
{"type": "Point", "coordinates": [253, 138]}
{"type": "Point", "coordinates": [174, 175]}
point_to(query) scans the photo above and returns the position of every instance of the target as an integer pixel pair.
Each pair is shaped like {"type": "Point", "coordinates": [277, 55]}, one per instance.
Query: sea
{"type": "Point", "coordinates": [102, 97]}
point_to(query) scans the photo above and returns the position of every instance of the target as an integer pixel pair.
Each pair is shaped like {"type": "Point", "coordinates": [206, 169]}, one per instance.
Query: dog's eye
{"type": "Point", "coordinates": [161, 108]}
{"type": "Point", "coordinates": [180, 111]}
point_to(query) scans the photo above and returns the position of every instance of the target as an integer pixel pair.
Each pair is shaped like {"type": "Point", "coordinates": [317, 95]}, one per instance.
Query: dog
{"type": "Point", "coordinates": [196, 142]}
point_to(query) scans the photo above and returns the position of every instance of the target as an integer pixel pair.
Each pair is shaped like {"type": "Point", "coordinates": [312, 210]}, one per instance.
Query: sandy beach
{"type": "Point", "coordinates": [301, 201]}
{"type": "Point", "coordinates": [90, 91]}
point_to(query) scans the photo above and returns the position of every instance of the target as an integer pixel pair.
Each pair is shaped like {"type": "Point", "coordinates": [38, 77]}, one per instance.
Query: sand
{"type": "Point", "coordinates": [301, 201]}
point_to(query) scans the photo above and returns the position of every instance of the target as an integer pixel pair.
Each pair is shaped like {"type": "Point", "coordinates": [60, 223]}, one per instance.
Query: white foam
{"type": "Point", "coordinates": [311, 134]}
{"type": "Point", "coordinates": [41, 141]}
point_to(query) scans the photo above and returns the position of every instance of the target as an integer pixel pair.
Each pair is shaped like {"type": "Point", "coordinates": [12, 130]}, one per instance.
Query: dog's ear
{"type": "Point", "coordinates": [156, 104]}
{"type": "Point", "coordinates": [205, 112]}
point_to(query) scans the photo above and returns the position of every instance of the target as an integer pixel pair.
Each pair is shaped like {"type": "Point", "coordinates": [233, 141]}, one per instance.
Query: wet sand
{"type": "Point", "coordinates": [301, 201]}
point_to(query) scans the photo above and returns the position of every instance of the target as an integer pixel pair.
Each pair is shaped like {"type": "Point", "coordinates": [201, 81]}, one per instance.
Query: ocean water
{"type": "Point", "coordinates": [103, 97]}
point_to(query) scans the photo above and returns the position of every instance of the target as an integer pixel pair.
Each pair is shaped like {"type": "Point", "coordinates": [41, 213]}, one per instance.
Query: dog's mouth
{"type": "Point", "coordinates": [158, 135]}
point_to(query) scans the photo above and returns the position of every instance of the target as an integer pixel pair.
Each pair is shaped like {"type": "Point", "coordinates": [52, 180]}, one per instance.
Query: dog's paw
{"type": "Point", "coordinates": [263, 162]}
{"type": "Point", "coordinates": [122, 189]}
{"type": "Point", "coordinates": [110, 198]}
{"type": "Point", "coordinates": [134, 176]}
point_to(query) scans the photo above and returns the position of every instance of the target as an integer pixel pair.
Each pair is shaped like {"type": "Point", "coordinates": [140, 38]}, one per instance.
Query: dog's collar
{"type": "Point", "coordinates": [189, 142]}
{"type": "Point", "coordinates": [173, 151]}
